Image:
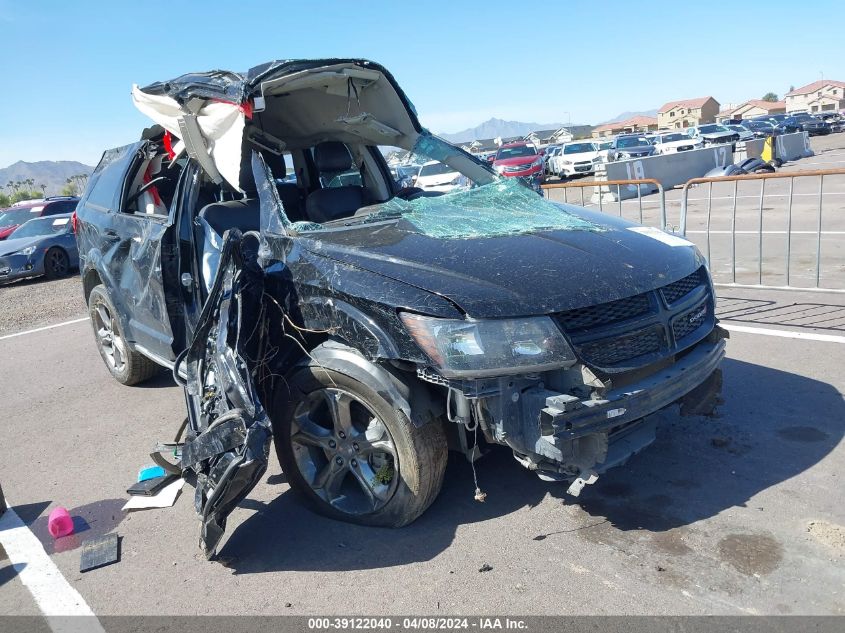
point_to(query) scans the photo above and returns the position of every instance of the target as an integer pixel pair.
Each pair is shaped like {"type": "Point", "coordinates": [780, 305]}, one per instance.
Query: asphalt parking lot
{"type": "Point", "coordinates": [738, 514]}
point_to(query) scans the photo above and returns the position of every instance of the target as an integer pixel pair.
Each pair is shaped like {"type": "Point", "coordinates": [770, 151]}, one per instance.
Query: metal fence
{"type": "Point", "coordinates": [600, 185]}
{"type": "Point", "coordinates": [816, 208]}
{"type": "Point", "coordinates": [824, 269]}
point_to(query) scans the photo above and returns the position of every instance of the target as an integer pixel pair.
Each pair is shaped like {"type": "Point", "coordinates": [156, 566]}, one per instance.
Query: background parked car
{"type": "Point", "coordinates": [41, 246]}
{"type": "Point", "coordinates": [520, 160]}
{"type": "Point", "coordinates": [672, 142]}
{"type": "Point", "coordinates": [761, 129]}
{"type": "Point", "coordinates": [548, 159]}
{"type": "Point", "coordinates": [630, 146]}
{"type": "Point", "coordinates": [437, 176]}
{"type": "Point", "coordinates": [577, 158]}
{"type": "Point", "coordinates": [713, 134]}
{"type": "Point", "coordinates": [14, 216]}
{"type": "Point", "coordinates": [807, 123]}
{"type": "Point", "coordinates": [744, 133]}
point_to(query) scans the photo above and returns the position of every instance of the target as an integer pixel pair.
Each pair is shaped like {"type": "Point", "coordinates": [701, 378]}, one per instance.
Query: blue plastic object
{"type": "Point", "coordinates": [150, 472]}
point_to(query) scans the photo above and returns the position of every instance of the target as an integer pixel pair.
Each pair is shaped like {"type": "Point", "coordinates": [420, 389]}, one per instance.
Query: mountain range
{"type": "Point", "coordinates": [627, 115]}
{"type": "Point", "coordinates": [494, 128]}
{"type": "Point", "coordinates": [53, 174]}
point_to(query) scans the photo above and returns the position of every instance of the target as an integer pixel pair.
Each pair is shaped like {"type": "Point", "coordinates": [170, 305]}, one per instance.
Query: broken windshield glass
{"type": "Point", "coordinates": [504, 207]}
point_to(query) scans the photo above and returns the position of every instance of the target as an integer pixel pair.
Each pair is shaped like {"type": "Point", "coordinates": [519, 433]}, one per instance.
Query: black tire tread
{"type": "Point", "coordinates": [138, 367]}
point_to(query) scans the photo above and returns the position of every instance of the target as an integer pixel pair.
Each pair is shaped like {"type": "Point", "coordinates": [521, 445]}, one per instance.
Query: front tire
{"type": "Point", "coordinates": [56, 263]}
{"type": "Point", "coordinates": [350, 455]}
{"type": "Point", "coordinates": [126, 366]}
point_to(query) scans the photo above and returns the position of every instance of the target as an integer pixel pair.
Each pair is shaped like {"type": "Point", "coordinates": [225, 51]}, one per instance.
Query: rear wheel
{"type": "Point", "coordinates": [351, 455]}
{"type": "Point", "coordinates": [127, 366]}
{"type": "Point", "coordinates": [56, 263]}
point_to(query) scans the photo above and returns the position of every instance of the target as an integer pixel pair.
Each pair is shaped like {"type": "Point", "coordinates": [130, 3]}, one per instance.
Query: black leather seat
{"type": "Point", "coordinates": [324, 205]}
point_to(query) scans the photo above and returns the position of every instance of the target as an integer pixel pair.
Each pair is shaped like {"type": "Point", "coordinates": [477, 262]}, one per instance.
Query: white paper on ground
{"type": "Point", "coordinates": [165, 497]}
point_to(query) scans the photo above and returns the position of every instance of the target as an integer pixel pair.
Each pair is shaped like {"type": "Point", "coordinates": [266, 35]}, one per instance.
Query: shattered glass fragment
{"type": "Point", "coordinates": [500, 208]}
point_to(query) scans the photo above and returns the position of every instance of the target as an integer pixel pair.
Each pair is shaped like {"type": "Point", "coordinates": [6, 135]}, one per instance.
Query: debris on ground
{"type": "Point", "coordinates": [485, 567]}
{"type": "Point", "coordinates": [830, 534]}
{"type": "Point", "coordinates": [720, 442]}
{"type": "Point", "coordinates": [165, 498]}
{"type": "Point", "coordinates": [59, 523]}
{"type": "Point", "coordinates": [99, 552]}
{"type": "Point", "coordinates": [150, 472]}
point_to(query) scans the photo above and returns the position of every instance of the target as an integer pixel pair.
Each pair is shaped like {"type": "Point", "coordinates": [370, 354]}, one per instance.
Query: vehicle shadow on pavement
{"type": "Point", "coordinates": [8, 572]}
{"type": "Point", "coordinates": [697, 468]}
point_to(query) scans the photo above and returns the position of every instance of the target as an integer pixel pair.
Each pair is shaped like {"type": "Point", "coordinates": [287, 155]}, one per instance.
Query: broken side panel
{"type": "Point", "coordinates": [229, 435]}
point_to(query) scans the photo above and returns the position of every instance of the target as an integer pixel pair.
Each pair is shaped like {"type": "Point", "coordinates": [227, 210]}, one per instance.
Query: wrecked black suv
{"type": "Point", "coordinates": [255, 242]}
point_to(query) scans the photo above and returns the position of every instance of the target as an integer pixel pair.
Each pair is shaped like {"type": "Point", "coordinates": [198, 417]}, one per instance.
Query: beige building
{"type": "Point", "coordinates": [687, 112]}
{"type": "Point", "coordinates": [819, 96]}
{"type": "Point", "coordinates": [628, 126]}
{"type": "Point", "coordinates": [752, 108]}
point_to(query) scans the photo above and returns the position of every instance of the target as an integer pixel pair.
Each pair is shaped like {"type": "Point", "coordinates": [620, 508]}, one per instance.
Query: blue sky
{"type": "Point", "coordinates": [68, 66]}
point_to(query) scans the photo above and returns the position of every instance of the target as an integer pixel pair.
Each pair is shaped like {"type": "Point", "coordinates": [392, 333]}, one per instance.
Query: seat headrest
{"type": "Point", "coordinates": [332, 156]}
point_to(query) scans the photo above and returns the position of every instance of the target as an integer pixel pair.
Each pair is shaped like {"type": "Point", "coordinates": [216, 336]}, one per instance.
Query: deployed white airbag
{"type": "Point", "coordinates": [221, 125]}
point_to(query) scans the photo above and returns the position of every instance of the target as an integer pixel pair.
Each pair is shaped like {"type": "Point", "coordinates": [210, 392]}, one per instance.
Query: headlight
{"type": "Point", "coordinates": [29, 250]}
{"type": "Point", "coordinates": [597, 159]}
{"type": "Point", "coordinates": [499, 168]}
{"type": "Point", "coordinates": [567, 162]}
{"type": "Point", "coordinates": [469, 349]}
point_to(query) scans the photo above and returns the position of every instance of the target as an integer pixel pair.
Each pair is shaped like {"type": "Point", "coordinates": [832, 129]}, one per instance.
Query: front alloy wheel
{"type": "Point", "coordinates": [350, 453]}
{"type": "Point", "coordinates": [344, 451]}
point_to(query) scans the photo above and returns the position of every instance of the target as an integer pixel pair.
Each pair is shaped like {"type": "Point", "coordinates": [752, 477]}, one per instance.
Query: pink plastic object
{"type": "Point", "coordinates": [59, 523]}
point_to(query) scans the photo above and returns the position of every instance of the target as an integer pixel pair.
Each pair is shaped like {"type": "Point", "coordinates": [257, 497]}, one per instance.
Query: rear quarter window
{"type": "Point", "coordinates": [106, 183]}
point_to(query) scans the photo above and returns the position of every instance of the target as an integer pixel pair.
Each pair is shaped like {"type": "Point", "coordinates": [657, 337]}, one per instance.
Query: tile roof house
{"type": "Point", "coordinates": [820, 96]}
{"type": "Point", "coordinates": [687, 112]}
{"type": "Point", "coordinates": [753, 108]}
{"type": "Point", "coordinates": [635, 124]}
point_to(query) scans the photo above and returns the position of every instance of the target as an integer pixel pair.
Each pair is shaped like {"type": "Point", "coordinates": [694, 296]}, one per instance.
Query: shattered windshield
{"type": "Point", "coordinates": [504, 207]}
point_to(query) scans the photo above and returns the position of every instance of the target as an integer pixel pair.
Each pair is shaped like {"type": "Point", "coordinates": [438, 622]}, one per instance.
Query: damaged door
{"type": "Point", "coordinates": [229, 432]}
{"type": "Point", "coordinates": [138, 248]}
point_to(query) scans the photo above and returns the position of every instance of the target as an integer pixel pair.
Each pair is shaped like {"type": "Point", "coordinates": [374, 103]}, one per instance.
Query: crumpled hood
{"type": "Point", "coordinates": [532, 273]}
{"type": "Point", "coordinates": [7, 247]}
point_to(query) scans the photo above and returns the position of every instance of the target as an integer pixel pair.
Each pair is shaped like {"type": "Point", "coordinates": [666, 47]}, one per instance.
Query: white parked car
{"type": "Point", "coordinates": [604, 147]}
{"type": "Point", "coordinates": [576, 158]}
{"type": "Point", "coordinates": [437, 176]}
{"type": "Point", "coordinates": [673, 142]}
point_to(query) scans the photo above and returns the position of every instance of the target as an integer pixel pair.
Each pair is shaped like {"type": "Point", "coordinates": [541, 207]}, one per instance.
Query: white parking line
{"type": "Point", "coordinates": [807, 336]}
{"type": "Point", "coordinates": [51, 592]}
{"type": "Point", "coordinates": [41, 329]}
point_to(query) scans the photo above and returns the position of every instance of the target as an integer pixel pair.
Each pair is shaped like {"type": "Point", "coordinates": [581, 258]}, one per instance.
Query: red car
{"type": "Point", "coordinates": [14, 216]}
{"type": "Point", "coordinates": [520, 160]}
